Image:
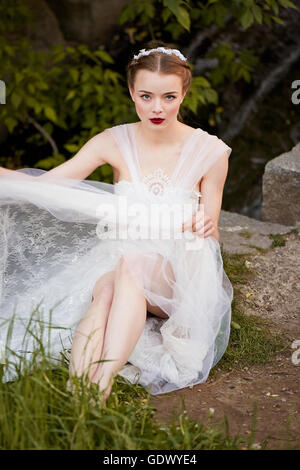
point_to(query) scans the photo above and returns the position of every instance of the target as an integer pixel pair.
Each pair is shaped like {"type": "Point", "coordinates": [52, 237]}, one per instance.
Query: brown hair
{"type": "Point", "coordinates": [162, 63]}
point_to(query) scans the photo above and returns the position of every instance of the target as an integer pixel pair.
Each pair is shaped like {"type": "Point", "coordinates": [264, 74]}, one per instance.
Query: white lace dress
{"type": "Point", "coordinates": [58, 236]}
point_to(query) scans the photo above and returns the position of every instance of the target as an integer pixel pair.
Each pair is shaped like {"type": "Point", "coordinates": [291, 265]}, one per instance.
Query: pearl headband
{"type": "Point", "coordinates": [160, 49]}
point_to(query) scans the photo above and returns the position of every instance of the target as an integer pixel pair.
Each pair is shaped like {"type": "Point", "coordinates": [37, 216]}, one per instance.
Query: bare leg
{"type": "Point", "coordinates": [88, 339]}
{"type": "Point", "coordinates": [125, 324]}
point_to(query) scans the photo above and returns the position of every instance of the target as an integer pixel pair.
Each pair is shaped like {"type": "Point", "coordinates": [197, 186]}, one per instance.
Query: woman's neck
{"type": "Point", "coordinates": [161, 138]}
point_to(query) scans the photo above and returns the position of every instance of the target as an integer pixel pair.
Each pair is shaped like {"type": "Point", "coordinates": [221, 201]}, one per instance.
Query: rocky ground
{"type": "Point", "coordinates": [271, 392]}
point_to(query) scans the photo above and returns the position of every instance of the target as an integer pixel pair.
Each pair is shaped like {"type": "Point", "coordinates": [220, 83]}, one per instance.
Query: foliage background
{"type": "Point", "coordinates": [57, 99]}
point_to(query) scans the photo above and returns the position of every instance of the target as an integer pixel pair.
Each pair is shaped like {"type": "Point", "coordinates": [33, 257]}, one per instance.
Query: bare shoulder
{"type": "Point", "coordinates": [106, 148]}
{"type": "Point", "coordinates": [97, 151]}
{"type": "Point", "coordinates": [217, 174]}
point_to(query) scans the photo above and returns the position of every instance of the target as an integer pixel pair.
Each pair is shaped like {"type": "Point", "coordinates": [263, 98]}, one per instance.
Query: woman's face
{"type": "Point", "coordinates": [157, 95]}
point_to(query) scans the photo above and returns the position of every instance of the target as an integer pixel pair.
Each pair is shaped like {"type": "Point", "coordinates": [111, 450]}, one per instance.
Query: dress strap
{"type": "Point", "coordinates": [201, 153]}
{"type": "Point", "coordinates": [126, 147]}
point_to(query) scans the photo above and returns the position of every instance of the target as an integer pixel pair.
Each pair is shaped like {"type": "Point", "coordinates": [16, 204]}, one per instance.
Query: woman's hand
{"type": "Point", "coordinates": [202, 224]}
{"type": "Point", "coordinates": [15, 175]}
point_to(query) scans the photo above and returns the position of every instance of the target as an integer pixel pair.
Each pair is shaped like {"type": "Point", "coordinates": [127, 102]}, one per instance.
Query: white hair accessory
{"type": "Point", "coordinates": [160, 49]}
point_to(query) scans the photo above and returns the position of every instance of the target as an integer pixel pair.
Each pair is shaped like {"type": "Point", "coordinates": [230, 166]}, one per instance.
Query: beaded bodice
{"type": "Point", "coordinates": [198, 153]}
{"type": "Point", "coordinates": [156, 181]}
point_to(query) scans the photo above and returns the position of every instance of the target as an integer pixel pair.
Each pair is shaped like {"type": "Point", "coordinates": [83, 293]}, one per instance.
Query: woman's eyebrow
{"type": "Point", "coordinates": [167, 93]}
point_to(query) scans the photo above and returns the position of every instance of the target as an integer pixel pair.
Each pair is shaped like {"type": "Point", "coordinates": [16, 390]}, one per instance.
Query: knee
{"type": "Point", "coordinates": [124, 263]}
{"type": "Point", "coordinates": [122, 267]}
{"type": "Point", "coordinates": [103, 293]}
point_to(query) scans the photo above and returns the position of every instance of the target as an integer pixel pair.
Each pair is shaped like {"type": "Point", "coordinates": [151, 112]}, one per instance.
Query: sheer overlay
{"type": "Point", "coordinates": [58, 236]}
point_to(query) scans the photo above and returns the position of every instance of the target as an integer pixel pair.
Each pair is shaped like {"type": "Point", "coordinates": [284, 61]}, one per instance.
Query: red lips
{"type": "Point", "coordinates": [156, 120]}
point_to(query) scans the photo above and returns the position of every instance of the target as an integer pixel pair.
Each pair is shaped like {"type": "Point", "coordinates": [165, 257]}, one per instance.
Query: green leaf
{"type": "Point", "coordinates": [9, 50]}
{"type": "Point", "coordinates": [201, 99]}
{"type": "Point", "coordinates": [235, 325]}
{"type": "Point", "coordinates": [41, 85]}
{"type": "Point", "coordinates": [97, 73]}
{"type": "Point", "coordinates": [76, 103]}
{"type": "Point", "coordinates": [86, 89]}
{"type": "Point", "coordinates": [16, 99]}
{"type": "Point", "coordinates": [165, 14]}
{"type": "Point", "coordinates": [211, 95]}
{"type": "Point", "coordinates": [278, 20]}
{"type": "Point", "coordinates": [257, 13]}
{"type": "Point", "coordinates": [31, 101]}
{"type": "Point", "coordinates": [47, 163]}
{"type": "Point", "coordinates": [149, 10]}
{"type": "Point", "coordinates": [70, 50]}
{"type": "Point", "coordinates": [74, 74]}
{"type": "Point", "coordinates": [247, 19]}
{"type": "Point", "coordinates": [59, 57]}
{"type": "Point", "coordinates": [18, 77]}
{"type": "Point", "coordinates": [275, 8]}
{"type": "Point", "coordinates": [181, 13]}
{"type": "Point", "coordinates": [104, 56]}
{"type": "Point", "coordinates": [71, 148]}
{"type": "Point", "coordinates": [287, 4]}
{"type": "Point", "coordinates": [10, 123]}
{"type": "Point", "coordinates": [31, 88]}
{"type": "Point", "coordinates": [127, 14]}
{"type": "Point", "coordinates": [201, 81]}
{"type": "Point", "coordinates": [86, 74]}
{"type": "Point", "coordinates": [246, 75]}
{"type": "Point", "coordinates": [50, 114]}
{"type": "Point", "coordinates": [70, 95]}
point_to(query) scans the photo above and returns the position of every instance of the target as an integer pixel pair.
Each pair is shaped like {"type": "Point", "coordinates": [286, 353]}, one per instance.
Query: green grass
{"type": "Point", "coordinates": [245, 233]}
{"type": "Point", "coordinates": [37, 411]}
{"type": "Point", "coordinates": [251, 339]}
{"type": "Point", "coordinates": [277, 239]}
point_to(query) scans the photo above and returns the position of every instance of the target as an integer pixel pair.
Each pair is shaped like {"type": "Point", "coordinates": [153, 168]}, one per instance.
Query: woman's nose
{"type": "Point", "coordinates": [157, 106]}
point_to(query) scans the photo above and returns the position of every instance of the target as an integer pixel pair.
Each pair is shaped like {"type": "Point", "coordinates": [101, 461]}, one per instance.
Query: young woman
{"type": "Point", "coordinates": [155, 310]}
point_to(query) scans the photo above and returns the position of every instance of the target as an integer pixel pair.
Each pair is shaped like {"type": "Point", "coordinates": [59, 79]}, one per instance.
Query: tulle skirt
{"type": "Point", "coordinates": [53, 250]}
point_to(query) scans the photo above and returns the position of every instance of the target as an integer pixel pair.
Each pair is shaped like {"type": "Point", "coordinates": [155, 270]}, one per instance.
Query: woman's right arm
{"type": "Point", "coordinates": [94, 153]}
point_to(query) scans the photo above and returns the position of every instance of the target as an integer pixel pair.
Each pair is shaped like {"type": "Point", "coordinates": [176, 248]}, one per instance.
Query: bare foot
{"type": "Point", "coordinates": [73, 385]}
{"type": "Point", "coordinates": [105, 386]}
{"type": "Point", "coordinates": [70, 387]}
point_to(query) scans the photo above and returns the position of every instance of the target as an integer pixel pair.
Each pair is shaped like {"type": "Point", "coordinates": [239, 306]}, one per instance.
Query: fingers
{"type": "Point", "coordinates": [187, 225]}
{"type": "Point", "coordinates": [204, 227]}
{"type": "Point", "coordinates": [196, 220]}
{"type": "Point", "coordinates": [190, 223]}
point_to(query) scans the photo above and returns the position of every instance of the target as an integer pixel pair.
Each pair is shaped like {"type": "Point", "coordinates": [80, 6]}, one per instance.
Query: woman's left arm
{"type": "Point", "coordinates": [211, 190]}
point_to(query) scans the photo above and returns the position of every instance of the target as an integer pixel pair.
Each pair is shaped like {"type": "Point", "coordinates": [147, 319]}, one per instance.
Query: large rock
{"type": "Point", "coordinates": [281, 188]}
{"type": "Point", "coordinates": [46, 31]}
{"type": "Point", "coordinates": [87, 21]}
{"type": "Point", "coordinates": [240, 234]}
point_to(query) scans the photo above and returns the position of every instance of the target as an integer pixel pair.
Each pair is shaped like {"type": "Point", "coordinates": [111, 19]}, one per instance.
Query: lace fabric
{"type": "Point", "coordinates": [56, 241]}
{"type": "Point", "coordinates": [156, 181]}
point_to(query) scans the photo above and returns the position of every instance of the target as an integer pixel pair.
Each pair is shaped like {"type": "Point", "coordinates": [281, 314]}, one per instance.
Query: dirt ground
{"type": "Point", "coordinates": [272, 389]}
